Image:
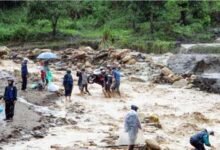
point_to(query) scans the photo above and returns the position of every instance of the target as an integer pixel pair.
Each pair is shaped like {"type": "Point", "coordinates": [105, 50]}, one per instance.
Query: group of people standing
{"type": "Point", "coordinates": [109, 78]}
{"type": "Point", "coordinates": [10, 94]}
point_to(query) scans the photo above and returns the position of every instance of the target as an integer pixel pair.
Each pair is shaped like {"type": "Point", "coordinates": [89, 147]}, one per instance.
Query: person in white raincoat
{"type": "Point", "coordinates": [132, 125]}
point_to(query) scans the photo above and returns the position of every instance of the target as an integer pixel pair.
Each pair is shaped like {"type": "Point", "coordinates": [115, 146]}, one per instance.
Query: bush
{"type": "Point", "coordinates": [157, 47]}
{"type": "Point", "coordinates": [21, 33]}
{"type": "Point", "coordinates": [204, 49]}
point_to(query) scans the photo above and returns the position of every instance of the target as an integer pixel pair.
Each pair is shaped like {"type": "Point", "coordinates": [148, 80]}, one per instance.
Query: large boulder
{"type": "Point", "coordinates": [194, 63]}
{"type": "Point", "coordinates": [167, 76]}
{"type": "Point", "coordinates": [4, 51]}
{"type": "Point", "coordinates": [206, 67]}
{"type": "Point", "coordinates": [208, 82]}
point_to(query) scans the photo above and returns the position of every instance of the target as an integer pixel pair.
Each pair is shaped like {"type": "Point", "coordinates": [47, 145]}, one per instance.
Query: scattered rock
{"type": "Point", "coordinates": [119, 53]}
{"type": "Point", "coordinates": [78, 54]}
{"type": "Point", "coordinates": [38, 134]}
{"type": "Point", "coordinates": [151, 145]}
{"type": "Point", "coordinates": [88, 64]}
{"type": "Point", "coordinates": [152, 120]}
{"type": "Point", "coordinates": [166, 71]}
{"type": "Point", "coordinates": [4, 51]}
{"type": "Point", "coordinates": [56, 146]}
{"type": "Point", "coordinates": [131, 62]}
{"type": "Point", "coordinates": [136, 79]}
{"type": "Point", "coordinates": [181, 83]}
{"type": "Point", "coordinates": [127, 58]}
{"type": "Point", "coordinates": [167, 76]}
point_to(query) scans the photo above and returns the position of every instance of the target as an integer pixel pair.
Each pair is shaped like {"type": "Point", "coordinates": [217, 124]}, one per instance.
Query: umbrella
{"type": "Point", "coordinates": [47, 55]}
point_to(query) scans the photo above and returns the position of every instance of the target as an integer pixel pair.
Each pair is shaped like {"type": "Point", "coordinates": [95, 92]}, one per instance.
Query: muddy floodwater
{"type": "Point", "coordinates": [99, 120]}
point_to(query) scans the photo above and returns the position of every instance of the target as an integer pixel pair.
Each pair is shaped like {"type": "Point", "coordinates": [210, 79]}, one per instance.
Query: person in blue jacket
{"type": "Point", "coordinates": [24, 74]}
{"type": "Point", "coordinates": [68, 85]}
{"type": "Point", "coordinates": [117, 80]}
{"type": "Point", "coordinates": [10, 97]}
{"type": "Point", "coordinates": [198, 140]}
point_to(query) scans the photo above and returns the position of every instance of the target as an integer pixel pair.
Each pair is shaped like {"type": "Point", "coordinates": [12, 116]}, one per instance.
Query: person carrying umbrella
{"type": "Point", "coordinates": [10, 97]}
{"type": "Point", "coordinates": [47, 56]}
{"type": "Point", "coordinates": [24, 74]}
{"type": "Point", "coordinates": [68, 85]}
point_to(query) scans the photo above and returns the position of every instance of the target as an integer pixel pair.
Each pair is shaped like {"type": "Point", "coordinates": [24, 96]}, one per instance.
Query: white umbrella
{"type": "Point", "coordinates": [47, 55]}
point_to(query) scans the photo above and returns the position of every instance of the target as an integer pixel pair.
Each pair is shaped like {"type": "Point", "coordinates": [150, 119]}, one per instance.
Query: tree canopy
{"type": "Point", "coordinates": [126, 22]}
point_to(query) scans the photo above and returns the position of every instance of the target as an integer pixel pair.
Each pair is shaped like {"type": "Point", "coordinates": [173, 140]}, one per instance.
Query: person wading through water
{"type": "Point", "coordinates": [132, 125]}
{"type": "Point", "coordinates": [199, 139]}
{"type": "Point", "coordinates": [117, 80]}
{"type": "Point", "coordinates": [24, 74]}
{"type": "Point", "coordinates": [84, 82]}
{"type": "Point", "coordinates": [79, 83]}
{"type": "Point", "coordinates": [10, 97]}
{"type": "Point", "coordinates": [68, 85]}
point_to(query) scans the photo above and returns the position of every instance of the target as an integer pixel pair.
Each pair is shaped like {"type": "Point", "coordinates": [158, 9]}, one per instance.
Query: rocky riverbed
{"type": "Point", "coordinates": [44, 121]}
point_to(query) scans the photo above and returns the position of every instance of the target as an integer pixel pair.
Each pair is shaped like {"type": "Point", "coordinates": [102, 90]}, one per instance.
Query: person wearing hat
{"type": "Point", "coordinates": [24, 74]}
{"type": "Point", "coordinates": [199, 139]}
{"type": "Point", "coordinates": [10, 97]}
{"type": "Point", "coordinates": [68, 84]}
{"type": "Point", "coordinates": [132, 125]}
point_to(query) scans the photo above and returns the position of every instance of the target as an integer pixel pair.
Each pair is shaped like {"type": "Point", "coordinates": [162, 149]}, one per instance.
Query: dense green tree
{"type": "Point", "coordinates": [50, 10]}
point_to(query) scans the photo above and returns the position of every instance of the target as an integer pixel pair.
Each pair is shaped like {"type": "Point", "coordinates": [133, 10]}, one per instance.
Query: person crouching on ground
{"type": "Point", "coordinates": [84, 82]}
{"type": "Point", "coordinates": [68, 85]}
{"type": "Point", "coordinates": [132, 125]}
{"type": "Point", "coordinates": [10, 97]}
{"type": "Point", "coordinates": [24, 74]}
{"type": "Point", "coordinates": [199, 139]}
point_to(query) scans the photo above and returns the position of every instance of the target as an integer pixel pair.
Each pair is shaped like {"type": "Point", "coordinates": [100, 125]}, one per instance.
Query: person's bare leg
{"type": "Point", "coordinates": [131, 147]}
{"type": "Point", "coordinates": [86, 89]}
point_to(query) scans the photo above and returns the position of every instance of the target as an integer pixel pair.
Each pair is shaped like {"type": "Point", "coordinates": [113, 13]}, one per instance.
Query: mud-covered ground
{"type": "Point", "coordinates": [93, 122]}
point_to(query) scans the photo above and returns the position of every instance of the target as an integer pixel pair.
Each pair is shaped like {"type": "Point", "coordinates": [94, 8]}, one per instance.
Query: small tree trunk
{"type": "Point", "coordinates": [54, 25]}
{"type": "Point", "coordinates": [152, 25]}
